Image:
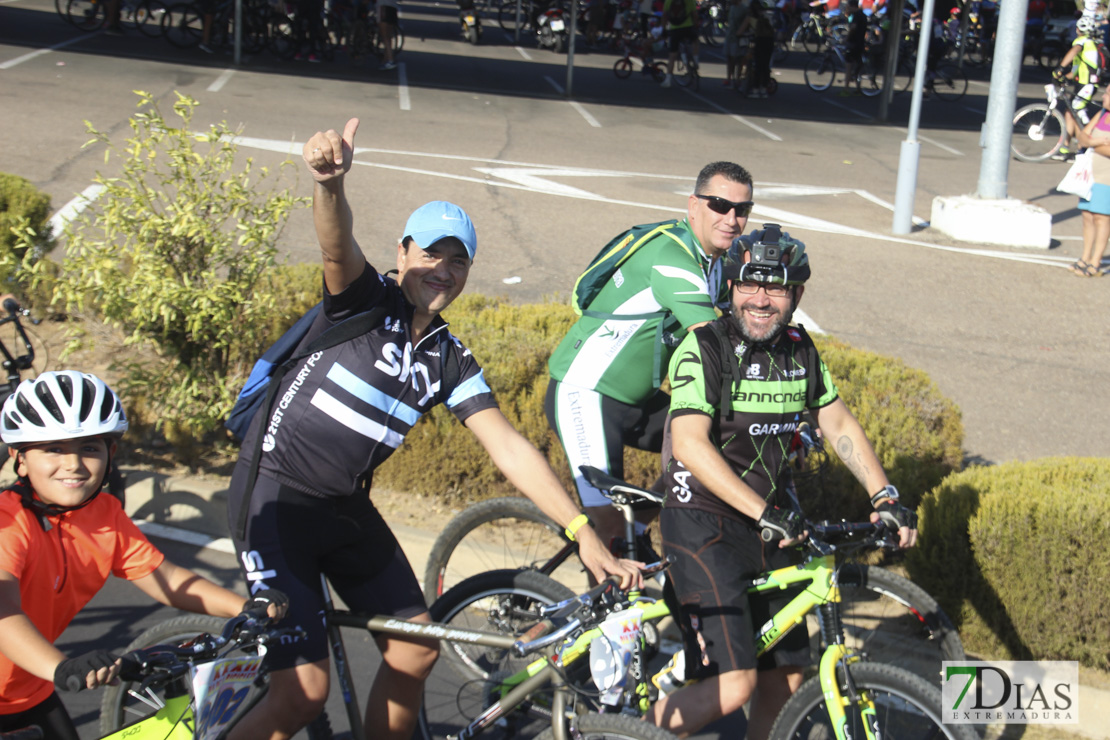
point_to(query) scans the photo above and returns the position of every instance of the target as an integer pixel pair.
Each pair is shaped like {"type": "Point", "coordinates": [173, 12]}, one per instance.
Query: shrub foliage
{"type": "Point", "coordinates": [177, 254]}
{"type": "Point", "coordinates": [1010, 552]}
{"type": "Point", "coordinates": [24, 230]}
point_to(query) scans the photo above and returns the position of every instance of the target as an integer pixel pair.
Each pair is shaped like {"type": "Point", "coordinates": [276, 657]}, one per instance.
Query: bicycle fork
{"type": "Point", "coordinates": [834, 662]}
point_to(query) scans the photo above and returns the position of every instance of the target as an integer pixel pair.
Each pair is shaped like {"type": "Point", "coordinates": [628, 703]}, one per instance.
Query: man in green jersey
{"type": "Point", "coordinates": [738, 389]}
{"type": "Point", "coordinates": [605, 374]}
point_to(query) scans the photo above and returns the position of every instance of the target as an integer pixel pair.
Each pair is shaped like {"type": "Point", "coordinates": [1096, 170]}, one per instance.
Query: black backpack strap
{"type": "Point", "coordinates": [343, 332]}
{"type": "Point", "coordinates": [813, 362]}
{"type": "Point", "coordinates": [730, 367]}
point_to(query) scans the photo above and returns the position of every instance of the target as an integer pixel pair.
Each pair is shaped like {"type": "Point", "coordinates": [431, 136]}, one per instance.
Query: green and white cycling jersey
{"type": "Point", "coordinates": [766, 407]}
{"type": "Point", "coordinates": [621, 345]}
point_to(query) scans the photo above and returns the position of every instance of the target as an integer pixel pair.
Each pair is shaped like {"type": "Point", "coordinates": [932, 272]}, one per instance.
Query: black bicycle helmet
{"type": "Point", "coordinates": [775, 258]}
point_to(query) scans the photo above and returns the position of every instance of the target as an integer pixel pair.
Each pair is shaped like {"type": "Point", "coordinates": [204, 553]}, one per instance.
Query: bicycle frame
{"type": "Point", "coordinates": [818, 577]}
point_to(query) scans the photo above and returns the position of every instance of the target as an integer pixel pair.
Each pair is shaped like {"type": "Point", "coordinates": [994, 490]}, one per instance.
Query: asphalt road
{"type": "Point", "coordinates": [1011, 336]}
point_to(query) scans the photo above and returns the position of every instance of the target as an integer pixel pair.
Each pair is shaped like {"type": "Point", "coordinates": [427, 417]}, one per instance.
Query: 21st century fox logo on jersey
{"type": "Point", "coordinates": [1014, 692]}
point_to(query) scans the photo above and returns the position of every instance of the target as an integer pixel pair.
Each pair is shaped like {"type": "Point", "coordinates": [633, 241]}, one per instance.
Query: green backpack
{"type": "Point", "coordinates": [605, 265]}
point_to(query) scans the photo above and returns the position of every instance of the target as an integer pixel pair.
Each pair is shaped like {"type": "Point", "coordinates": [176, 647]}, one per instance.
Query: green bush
{"type": "Point", "coordinates": [24, 230]}
{"type": "Point", "coordinates": [176, 254]}
{"type": "Point", "coordinates": [917, 431]}
{"type": "Point", "coordinates": [1011, 553]}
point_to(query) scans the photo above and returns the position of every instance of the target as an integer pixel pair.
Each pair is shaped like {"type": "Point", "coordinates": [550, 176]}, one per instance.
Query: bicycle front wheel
{"type": "Point", "coordinates": [905, 707]}
{"type": "Point", "coordinates": [950, 82]}
{"type": "Point", "coordinates": [894, 621]}
{"type": "Point", "coordinates": [820, 73]}
{"type": "Point", "coordinates": [611, 727]}
{"type": "Point", "coordinates": [118, 708]}
{"type": "Point", "coordinates": [398, 42]}
{"type": "Point", "coordinates": [686, 75]}
{"type": "Point", "coordinates": [507, 533]}
{"type": "Point", "coordinates": [1039, 132]}
{"type": "Point", "coordinates": [870, 79]}
{"type": "Point", "coordinates": [622, 68]}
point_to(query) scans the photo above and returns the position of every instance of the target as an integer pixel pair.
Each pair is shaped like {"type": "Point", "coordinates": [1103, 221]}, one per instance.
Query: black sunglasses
{"type": "Point", "coordinates": [722, 206]}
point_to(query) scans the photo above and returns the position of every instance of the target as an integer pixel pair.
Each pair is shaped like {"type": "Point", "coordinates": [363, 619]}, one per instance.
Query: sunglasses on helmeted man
{"type": "Point", "coordinates": [722, 206]}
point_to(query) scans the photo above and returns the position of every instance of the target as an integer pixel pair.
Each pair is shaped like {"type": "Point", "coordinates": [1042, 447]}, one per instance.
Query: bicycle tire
{"type": "Point", "coordinates": [611, 727]}
{"type": "Point", "coordinates": [464, 681]}
{"type": "Point", "coordinates": [284, 34]}
{"type": "Point", "coordinates": [894, 621]}
{"type": "Point", "coordinates": [658, 71]}
{"type": "Point", "coordinates": [116, 704]}
{"type": "Point", "coordinates": [506, 533]}
{"type": "Point", "coordinates": [950, 83]}
{"type": "Point", "coordinates": [812, 39]}
{"type": "Point", "coordinates": [622, 68]}
{"type": "Point", "coordinates": [398, 42]}
{"type": "Point", "coordinates": [147, 17]}
{"type": "Point", "coordinates": [183, 25]}
{"type": "Point", "coordinates": [85, 14]}
{"type": "Point", "coordinates": [506, 17]}
{"type": "Point", "coordinates": [1039, 132]}
{"type": "Point", "coordinates": [906, 707]}
{"type": "Point", "coordinates": [819, 73]}
{"type": "Point", "coordinates": [870, 82]}
{"type": "Point", "coordinates": [685, 75]}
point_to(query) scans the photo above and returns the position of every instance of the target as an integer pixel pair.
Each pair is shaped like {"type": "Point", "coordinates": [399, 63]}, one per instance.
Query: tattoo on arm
{"type": "Point", "coordinates": [855, 462]}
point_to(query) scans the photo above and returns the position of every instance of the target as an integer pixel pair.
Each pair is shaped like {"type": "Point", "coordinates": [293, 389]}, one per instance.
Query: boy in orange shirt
{"type": "Point", "coordinates": [60, 540]}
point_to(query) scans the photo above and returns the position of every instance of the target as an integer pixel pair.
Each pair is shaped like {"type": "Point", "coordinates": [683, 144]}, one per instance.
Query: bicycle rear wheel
{"type": "Point", "coordinates": [1039, 132]}
{"type": "Point", "coordinates": [183, 25]}
{"type": "Point", "coordinates": [622, 68]}
{"type": "Point", "coordinates": [398, 42]}
{"type": "Point", "coordinates": [870, 79]}
{"type": "Point", "coordinates": [465, 680]}
{"type": "Point", "coordinates": [950, 82]}
{"type": "Point", "coordinates": [611, 727]}
{"type": "Point", "coordinates": [819, 73]}
{"type": "Point", "coordinates": [507, 533]}
{"type": "Point", "coordinates": [148, 17]}
{"type": "Point", "coordinates": [85, 14]}
{"type": "Point", "coordinates": [905, 707]}
{"type": "Point", "coordinates": [686, 75]}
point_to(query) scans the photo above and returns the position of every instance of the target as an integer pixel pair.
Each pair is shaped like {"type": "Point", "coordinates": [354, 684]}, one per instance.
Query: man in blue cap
{"type": "Point", "coordinates": [337, 416]}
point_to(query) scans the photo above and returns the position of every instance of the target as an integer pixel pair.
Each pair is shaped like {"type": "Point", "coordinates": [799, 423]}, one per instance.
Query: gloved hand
{"type": "Point", "coordinates": [260, 603]}
{"type": "Point", "coordinates": [780, 524]}
{"type": "Point", "coordinates": [72, 673]}
{"type": "Point", "coordinates": [1059, 74]}
{"type": "Point", "coordinates": [895, 516]}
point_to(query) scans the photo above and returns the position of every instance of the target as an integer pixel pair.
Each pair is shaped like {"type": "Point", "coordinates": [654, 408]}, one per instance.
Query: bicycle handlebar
{"type": "Point", "coordinates": [876, 535]}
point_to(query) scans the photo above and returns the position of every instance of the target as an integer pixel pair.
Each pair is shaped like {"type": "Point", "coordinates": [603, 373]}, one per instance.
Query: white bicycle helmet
{"type": "Point", "coordinates": [61, 405]}
{"type": "Point", "coordinates": [1086, 25]}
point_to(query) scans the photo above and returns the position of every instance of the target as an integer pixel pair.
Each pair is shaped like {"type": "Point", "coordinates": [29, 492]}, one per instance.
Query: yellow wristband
{"type": "Point", "coordinates": [575, 525]}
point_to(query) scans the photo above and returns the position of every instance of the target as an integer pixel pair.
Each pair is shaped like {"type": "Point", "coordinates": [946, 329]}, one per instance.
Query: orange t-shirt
{"type": "Point", "coordinates": [60, 570]}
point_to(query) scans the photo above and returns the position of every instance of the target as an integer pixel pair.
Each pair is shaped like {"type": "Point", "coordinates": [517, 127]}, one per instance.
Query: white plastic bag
{"type": "Point", "coordinates": [1080, 177]}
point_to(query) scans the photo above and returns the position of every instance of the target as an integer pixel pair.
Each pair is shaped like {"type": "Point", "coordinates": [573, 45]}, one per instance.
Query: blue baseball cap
{"type": "Point", "coordinates": [438, 220]}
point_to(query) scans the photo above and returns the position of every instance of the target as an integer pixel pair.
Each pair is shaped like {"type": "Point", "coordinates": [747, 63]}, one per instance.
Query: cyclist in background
{"type": "Point", "coordinates": [681, 18]}
{"type": "Point", "coordinates": [60, 540]}
{"type": "Point", "coordinates": [738, 389]}
{"type": "Point", "coordinates": [604, 388]}
{"type": "Point", "coordinates": [1080, 66]}
{"type": "Point", "coordinates": [342, 413]}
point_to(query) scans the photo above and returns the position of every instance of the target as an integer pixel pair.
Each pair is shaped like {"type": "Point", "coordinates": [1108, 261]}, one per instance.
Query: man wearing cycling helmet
{"type": "Point", "coordinates": [60, 540]}
{"type": "Point", "coordinates": [724, 463]}
{"type": "Point", "coordinates": [1081, 66]}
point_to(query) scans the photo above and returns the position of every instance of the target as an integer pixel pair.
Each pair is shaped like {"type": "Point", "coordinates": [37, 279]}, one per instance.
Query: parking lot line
{"type": "Point", "coordinates": [38, 53]}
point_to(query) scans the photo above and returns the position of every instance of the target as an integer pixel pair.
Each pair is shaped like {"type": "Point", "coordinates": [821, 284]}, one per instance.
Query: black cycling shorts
{"type": "Point", "coordinates": [387, 14]}
{"type": "Point", "coordinates": [292, 538]}
{"type": "Point", "coordinates": [49, 714]}
{"type": "Point", "coordinates": [716, 557]}
{"type": "Point", "coordinates": [677, 36]}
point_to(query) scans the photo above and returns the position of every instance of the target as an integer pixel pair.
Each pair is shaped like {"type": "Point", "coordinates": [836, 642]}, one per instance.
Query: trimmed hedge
{"type": "Point", "coordinates": [1012, 555]}
{"type": "Point", "coordinates": [916, 430]}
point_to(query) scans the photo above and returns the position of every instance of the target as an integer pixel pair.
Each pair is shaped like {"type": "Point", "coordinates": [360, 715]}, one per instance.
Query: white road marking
{"type": "Point", "coordinates": [220, 544]}
{"type": "Point", "coordinates": [523, 53]}
{"type": "Point", "coordinates": [761, 211]}
{"type": "Point", "coordinates": [69, 211]}
{"type": "Point", "coordinates": [574, 104]}
{"type": "Point", "coordinates": [403, 87]}
{"type": "Point", "coordinates": [38, 53]}
{"type": "Point", "coordinates": [220, 81]}
{"type": "Point", "coordinates": [850, 109]}
{"type": "Point", "coordinates": [733, 116]}
{"type": "Point", "coordinates": [948, 149]}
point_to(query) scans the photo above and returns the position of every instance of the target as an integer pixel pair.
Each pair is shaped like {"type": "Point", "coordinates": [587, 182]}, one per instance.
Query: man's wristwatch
{"type": "Point", "coordinates": [888, 492]}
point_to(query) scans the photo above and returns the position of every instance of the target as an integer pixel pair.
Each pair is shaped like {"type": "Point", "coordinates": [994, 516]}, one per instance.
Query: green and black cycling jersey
{"type": "Point", "coordinates": [766, 407]}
